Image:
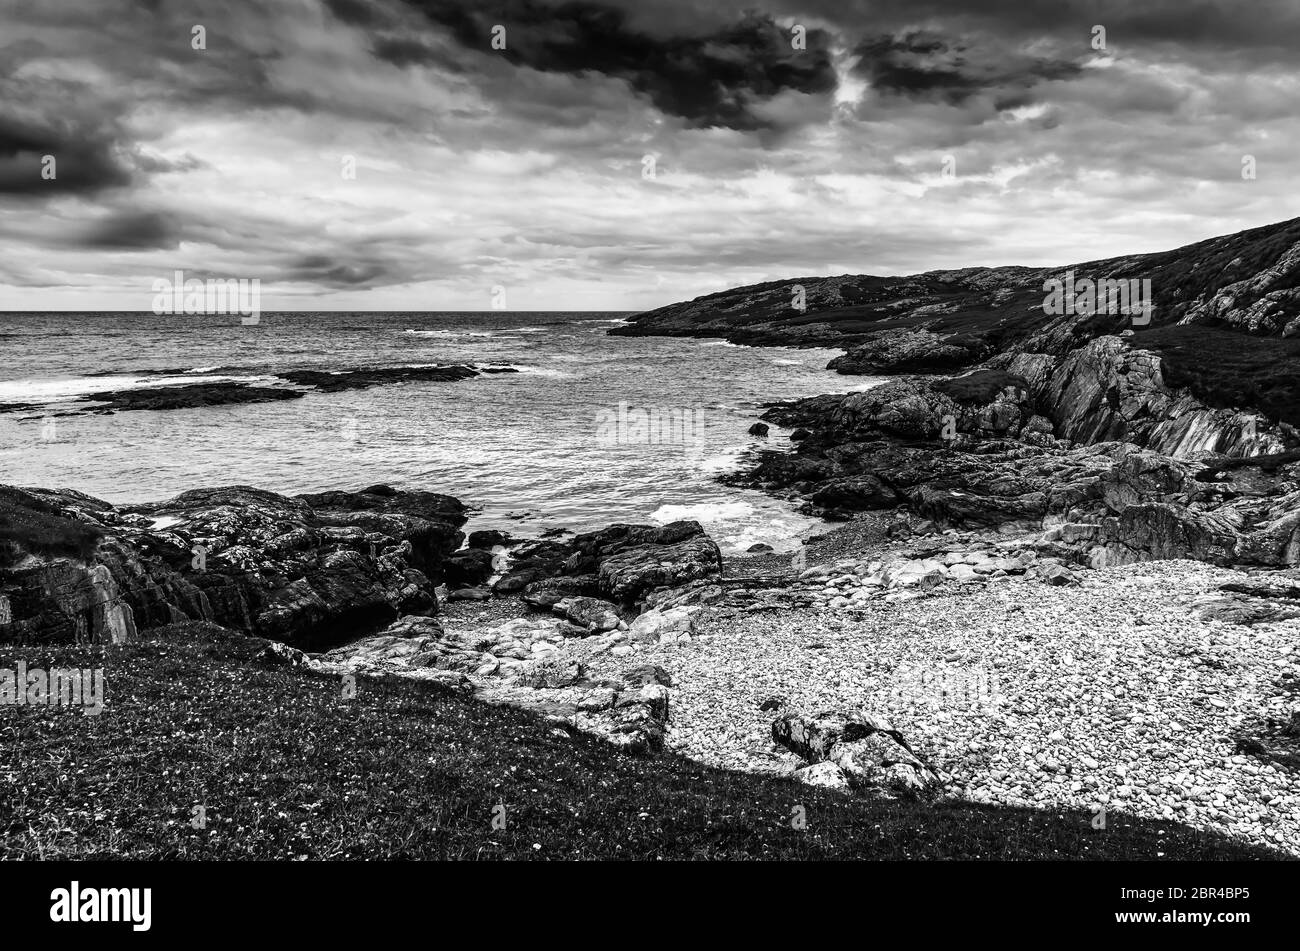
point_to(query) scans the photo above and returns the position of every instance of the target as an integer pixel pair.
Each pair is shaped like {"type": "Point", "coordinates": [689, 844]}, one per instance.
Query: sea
{"type": "Point", "coordinates": [592, 429]}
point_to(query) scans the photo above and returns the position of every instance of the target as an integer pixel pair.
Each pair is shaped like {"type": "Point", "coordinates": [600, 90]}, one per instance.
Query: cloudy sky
{"type": "Point", "coordinates": [785, 137]}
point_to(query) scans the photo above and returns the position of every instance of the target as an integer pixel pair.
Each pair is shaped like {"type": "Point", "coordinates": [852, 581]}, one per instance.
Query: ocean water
{"type": "Point", "coordinates": [593, 429]}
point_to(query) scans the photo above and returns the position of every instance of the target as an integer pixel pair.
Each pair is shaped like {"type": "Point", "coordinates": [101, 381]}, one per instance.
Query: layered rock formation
{"type": "Point", "coordinates": [1003, 468]}
{"type": "Point", "coordinates": [308, 571]}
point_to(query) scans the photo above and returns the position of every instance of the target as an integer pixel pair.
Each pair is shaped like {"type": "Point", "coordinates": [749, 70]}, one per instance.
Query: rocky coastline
{"type": "Point", "coordinates": [1067, 514]}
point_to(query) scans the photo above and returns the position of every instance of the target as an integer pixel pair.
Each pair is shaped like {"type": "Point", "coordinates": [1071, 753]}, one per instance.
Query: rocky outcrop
{"type": "Point", "coordinates": [857, 751]}
{"type": "Point", "coordinates": [307, 571]}
{"type": "Point", "coordinates": [1003, 467]}
{"type": "Point", "coordinates": [365, 377]}
{"type": "Point", "coordinates": [622, 563]}
{"type": "Point", "coordinates": [909, 351]}
{"type": "Point", "coordinates": [232, 392]}
{"type": "Point", "coordinates": [188, 396]}
{"type": "Point", "coordinates": [1106, 391]}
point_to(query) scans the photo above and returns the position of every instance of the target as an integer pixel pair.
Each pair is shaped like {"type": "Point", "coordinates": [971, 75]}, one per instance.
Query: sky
{"type": "Point", "coordinates": [620, 154]}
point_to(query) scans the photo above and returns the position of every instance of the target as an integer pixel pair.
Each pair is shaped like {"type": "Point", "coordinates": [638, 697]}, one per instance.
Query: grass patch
{"type": "Point", "coordinates": [28, 525]}
{"type": "Point", "coordinates": [1225, 369]}
{"type": "Point", "coordinates": [288, 769]}
{"type": "Point", "coordinates": [980, 386]}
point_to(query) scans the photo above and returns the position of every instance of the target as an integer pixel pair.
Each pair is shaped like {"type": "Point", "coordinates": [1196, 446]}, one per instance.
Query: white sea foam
{"type": "Point", "coordinates": [725, 461]}
{"type": "Point", "coordinates": [706, 513]}
{"type": "Point", "coordinates": [737, 524]}
{"type": "Point", "coordinates": [450, 334]}
{"type": "Point", "coordinates": [542, 371]}
{"type": "Point", "coordinates": [59, 390]}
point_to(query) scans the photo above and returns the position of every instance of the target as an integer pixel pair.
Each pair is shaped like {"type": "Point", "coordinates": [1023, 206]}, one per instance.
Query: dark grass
{"type": "Point", "coordinates": [29, 526]}
{"type": "Point", "coordinates": [980, 386]}
{"type": "Point", "coordinates": [1224, 368]}
{"type": "Point", "coordinates": [288, 769]}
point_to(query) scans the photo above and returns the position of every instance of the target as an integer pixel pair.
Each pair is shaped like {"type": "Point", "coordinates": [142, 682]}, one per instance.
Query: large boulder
{"type": "Point", "coordinates": [667, 625]}
{"type": "Point", "coordinates": [867, 752]}
{"type": "Point", "coordinates": [632, 560]}
{"type": "Point", "coordinates": [621, 563]}
{"type": "Point", "coordinates": [593, 614]}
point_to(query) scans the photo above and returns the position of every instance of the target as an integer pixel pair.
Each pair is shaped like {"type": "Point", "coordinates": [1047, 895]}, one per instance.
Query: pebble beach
{"type": "Point", "coordinates": [1110, 694]}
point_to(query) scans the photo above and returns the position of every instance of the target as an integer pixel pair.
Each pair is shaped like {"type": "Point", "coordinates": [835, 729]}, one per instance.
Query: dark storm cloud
{"type": "Point", "coordinates": [158, 164]}
{"type": "Point", "coordinates": [1263, 28]}
{"type": "Point", "coordinates": [403, 51]}
{"type": "Point", "coordinates": [714, 79]}
{"type": "Point", "coordinates": [334, 272]}
{"type": "Point", "coordinates": [133, 231]}
{"type": "Point", "coordinates": [925, 65]}
{"type": "Point", "coordinates": [354, 12]}
{"type": "Point", "coordinates": [86, 159]}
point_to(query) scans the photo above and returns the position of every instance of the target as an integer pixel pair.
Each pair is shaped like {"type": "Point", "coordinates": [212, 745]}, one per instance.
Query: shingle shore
{"type": "Point", "coordinates": [1113, 693]}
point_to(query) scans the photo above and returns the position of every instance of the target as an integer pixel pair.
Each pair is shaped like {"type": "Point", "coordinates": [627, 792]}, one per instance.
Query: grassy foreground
{"type": "Point", "coordinates": [286, 768]}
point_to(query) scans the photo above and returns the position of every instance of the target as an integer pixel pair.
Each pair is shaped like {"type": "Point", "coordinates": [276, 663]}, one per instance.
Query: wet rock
{"type": "Point", "coordinates": [487, 539]}
{"type": "Point", "coordinates": [366, 377]}
{"type": "Point", "coordinates": [467, 568]}
{"type": "Point", "coordinates": [188, 396]}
